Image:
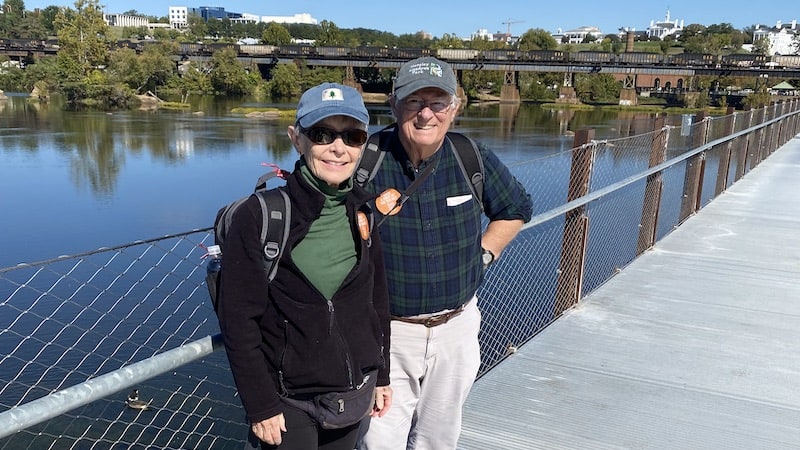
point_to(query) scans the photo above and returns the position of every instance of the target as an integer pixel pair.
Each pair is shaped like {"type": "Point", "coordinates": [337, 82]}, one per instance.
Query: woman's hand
{"type": "Point", "coordinates": [383, 400]}
{"type": "Point", "coordinates": [269, 430]}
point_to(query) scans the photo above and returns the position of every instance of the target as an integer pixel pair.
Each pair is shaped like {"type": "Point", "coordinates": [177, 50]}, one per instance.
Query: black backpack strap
{"type": "Point", "coordinates": [372, 156]}
{"type": "Point", "coordinates": [276, 213]}
{"type": "Point", "coordinates": [471, 163]}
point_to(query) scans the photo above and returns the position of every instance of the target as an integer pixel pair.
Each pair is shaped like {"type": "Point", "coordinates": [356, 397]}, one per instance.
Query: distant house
{"type": "Point", "coordinates": [782, 37]}
{"type": "Point", "coordinates": [664, 28]}
{"type": "Point", "coordinates": [783, 88]}
{"type": "Point", "coordinates": [577, 35]}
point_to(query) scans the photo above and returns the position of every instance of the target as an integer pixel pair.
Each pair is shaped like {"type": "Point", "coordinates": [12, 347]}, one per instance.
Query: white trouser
{"type": "Point", "coordinates": [432, 371]}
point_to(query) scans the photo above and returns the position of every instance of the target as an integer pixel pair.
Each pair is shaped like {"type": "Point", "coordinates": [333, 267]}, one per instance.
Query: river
{"type": "Point", "coordinates": [72, 182]}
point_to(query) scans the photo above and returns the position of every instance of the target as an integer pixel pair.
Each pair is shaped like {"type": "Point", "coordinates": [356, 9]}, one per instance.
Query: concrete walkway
{"type": "Point", "coordinates": [695, 345]}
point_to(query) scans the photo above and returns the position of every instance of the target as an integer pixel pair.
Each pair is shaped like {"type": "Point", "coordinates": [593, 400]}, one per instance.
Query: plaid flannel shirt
{"type": "Point", "coordinates": [432, 247]}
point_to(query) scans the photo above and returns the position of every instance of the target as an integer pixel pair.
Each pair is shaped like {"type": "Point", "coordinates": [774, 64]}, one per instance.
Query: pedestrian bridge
{"type": "Point", "coordinates": [693, 345]}
{"type": "Point", "coordinates": [648, 304]}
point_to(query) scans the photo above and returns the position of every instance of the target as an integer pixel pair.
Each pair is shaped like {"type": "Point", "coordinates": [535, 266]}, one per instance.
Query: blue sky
{"type": "Point", "coordinates": [464, 17]}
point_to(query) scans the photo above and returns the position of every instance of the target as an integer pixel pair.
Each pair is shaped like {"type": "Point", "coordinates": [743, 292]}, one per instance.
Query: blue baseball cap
{"type": "Point", "coordinates": [425, 72]}
{"type": "Point", "coordinates": [330, 99]}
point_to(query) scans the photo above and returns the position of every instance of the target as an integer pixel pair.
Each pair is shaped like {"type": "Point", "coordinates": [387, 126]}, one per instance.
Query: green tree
{"type": "Point", "coordinates": [44, 73]}
{"type": "Point", "coordinates": [329, 34]}
{"type": "Point", "coordinates": [537, 39]}
{"type": "Point", "coordinates": [194, 79]}
{"type": "Point", "coordinates": [483, 43]}
{"type": "Point", "coordinates": [124, 67]}
{"type": "Point", "coordinates": [597, 88]}
{"type": "Point", "coordinates": [317, 75]}
{"type": "Point", "coordinates": [145, 72]}
{"type": "Point", "coordinates": [449, 41]}
{"type": "Point", "coordinates": [47, 19]}
{"type": "Point", "coordinates": [82, 39]}
{"type": "Point", "coordinates": [284, 81]}
{"type": "Point", "coordinates": [197, 29]}
{"type": "Point", "coordinates": [228, 75]}
{"type": "Point", "coordinates": [13, 12]}
{"type": "Point", "coordinates": [761, 46]}
{"type": "Point", "coordinates": [276, 34]}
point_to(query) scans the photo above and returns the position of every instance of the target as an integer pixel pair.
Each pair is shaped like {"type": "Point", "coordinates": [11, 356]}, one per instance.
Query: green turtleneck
{"type": "Point", "coordinates": [327, 253]}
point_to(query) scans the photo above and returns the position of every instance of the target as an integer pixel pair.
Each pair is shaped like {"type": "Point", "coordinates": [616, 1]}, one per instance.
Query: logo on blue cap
{"type": "Point", "coordinates": [330, 99]}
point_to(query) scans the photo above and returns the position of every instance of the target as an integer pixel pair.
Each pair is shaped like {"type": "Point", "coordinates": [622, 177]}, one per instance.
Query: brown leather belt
{"type": "Point", "coordinates": [432, 321]}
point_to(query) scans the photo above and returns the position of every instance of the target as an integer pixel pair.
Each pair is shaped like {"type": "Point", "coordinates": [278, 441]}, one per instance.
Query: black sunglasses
{"type": "Point", "coordinates": [323, 136]}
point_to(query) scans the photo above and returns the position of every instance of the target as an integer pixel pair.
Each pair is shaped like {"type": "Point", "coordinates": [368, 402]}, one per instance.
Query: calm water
{"type": "Point", "coordinates": [71, 182]}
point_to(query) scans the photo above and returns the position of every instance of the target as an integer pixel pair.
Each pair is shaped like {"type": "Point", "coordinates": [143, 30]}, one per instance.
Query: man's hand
{"type": "Point", "coordinates": [269, 430]}
{"type": "Point", "coordinates": [383, 400]}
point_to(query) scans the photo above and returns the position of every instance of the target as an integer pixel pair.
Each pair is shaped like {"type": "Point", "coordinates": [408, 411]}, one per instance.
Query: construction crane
{"type": "Point", "coordinates": [508, 22]}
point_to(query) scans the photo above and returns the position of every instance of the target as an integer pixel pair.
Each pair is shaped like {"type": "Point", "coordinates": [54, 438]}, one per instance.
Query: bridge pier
{"type": "Point", "coordinates": [628, 96]}
{"type": "Point", "coordinates": [509, 92]}
{"type": "Point", "coordinates": [350, 79]}
{"type": "Point", "coordinates": [567, 92]}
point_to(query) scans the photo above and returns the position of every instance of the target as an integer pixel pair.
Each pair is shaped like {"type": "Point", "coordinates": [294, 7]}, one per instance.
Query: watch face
{"type": "Point", "coordinates": [487, 257]}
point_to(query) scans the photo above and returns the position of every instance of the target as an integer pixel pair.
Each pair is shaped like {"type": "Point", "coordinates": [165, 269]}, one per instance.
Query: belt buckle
{"type": "Point", "coordinates": [431, 322]}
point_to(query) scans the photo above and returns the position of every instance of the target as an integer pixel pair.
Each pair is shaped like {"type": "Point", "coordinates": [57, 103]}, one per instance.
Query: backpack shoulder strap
{"type": "Point", "coordinates": [276, 213]}
{"type": "Point", "coordinates": [471, 163]}
{"type": "Point", "coordinates": [372, 156]}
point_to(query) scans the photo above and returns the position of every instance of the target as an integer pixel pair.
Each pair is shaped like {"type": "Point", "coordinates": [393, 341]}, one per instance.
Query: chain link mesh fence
{"type": "Point", "coordinates": [69, 320]}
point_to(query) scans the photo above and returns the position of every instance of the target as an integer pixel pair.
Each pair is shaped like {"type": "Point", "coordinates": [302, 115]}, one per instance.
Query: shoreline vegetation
{"type": "Point", "coordinates": [383, 99]}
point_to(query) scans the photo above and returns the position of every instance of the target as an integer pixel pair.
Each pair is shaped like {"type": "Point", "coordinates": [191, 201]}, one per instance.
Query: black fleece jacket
{"type": "Point", "coordinates": [285, 338]}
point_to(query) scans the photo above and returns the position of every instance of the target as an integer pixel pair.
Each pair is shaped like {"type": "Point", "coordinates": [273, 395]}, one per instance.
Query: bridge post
{"type": "Point", "coordinates": [757, 149]}
{"type": "Point", "coordinates": [350, 79]}
{"type": "Point", "coordinates": [724, 167]}
{"type": "Point", "coordinates": [695, 166]}
{"type": "Point", "coordinates": [627, 95]}
{"type": "Point", "coordinates": [567, 92]}
{"type": "Point", "coordinates": [774, 129]}
{"type": "Point", "coordinates": [509, 92]}
{"type": "Point", "coordinates": [783, 127]}
{"type": "Point", "coordinates": [653, 188]}
{"type": "Point", "coordinates": [743, 147]}
{"type": "Point", "coordinates": [794, 124]}
{"type": "Point", "coordinates": [576, 225]}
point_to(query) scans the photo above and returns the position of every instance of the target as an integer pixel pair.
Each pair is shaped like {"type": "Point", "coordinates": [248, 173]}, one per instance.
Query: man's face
{"type": "Point", "coordinates": [424, 118]}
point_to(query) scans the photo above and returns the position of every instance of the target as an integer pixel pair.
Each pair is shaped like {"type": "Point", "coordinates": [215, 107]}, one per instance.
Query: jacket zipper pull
{"type": "Point", "coordinates": [330, 315]}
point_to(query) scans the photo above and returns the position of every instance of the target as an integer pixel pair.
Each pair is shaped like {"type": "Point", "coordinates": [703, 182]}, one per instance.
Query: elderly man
{"type": "Point", "coordinates": [435, 252]}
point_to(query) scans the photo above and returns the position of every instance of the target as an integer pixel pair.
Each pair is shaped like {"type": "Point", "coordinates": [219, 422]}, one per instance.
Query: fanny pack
{"type": "Point", "coordinates": [334, 410]}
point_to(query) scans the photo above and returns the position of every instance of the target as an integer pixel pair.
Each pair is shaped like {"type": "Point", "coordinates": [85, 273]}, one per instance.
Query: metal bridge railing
{"type": "Point", "coordinates": [78, 332]}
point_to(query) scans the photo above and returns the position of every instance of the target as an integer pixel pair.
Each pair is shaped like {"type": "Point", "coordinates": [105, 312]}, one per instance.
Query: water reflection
{"type": "Point", "coordinates": [75, 181]}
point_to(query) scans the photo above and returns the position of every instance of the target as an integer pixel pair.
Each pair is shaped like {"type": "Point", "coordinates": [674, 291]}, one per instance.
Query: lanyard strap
{"type": "Point", "coordinates": [413, 187]}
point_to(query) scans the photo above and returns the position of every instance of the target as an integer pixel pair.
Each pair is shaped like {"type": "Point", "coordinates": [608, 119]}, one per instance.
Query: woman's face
{"type": "Point", "coordinates": [331, 147]}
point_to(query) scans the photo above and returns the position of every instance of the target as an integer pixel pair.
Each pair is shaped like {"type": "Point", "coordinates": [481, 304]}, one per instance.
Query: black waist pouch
{"type": "Point", "coordinates": [334, 410]}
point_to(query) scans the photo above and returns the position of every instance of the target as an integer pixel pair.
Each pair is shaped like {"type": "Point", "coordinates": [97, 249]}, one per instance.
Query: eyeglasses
{"type": "Point", "coordinates": [417, 104]}
{"type": "Point", "coordinates": [324, 136]}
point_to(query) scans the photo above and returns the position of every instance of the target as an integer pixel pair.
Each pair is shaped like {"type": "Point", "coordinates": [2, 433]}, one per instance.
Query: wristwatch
{"type": "Point", "coordinates": [487, 257]}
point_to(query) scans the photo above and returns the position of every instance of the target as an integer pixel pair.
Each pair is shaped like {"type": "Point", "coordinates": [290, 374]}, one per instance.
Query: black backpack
{"type": "Point", "coordinates": [276, 212]}
{"type": "Point", "coordinates": [465, 150]}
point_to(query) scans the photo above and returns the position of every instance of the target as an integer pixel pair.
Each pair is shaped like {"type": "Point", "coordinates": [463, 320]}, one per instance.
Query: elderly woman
{"type": "Point", "coordinates": [303, 347]}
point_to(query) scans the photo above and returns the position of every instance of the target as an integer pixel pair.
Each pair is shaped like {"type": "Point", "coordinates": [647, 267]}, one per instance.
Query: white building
{"type": "Point", "coordinates": [246, 18]}
{"type": "Point", "coordinates": [178, 17]}
{"type": "Point", "coordinates": [782, 38]}
{"type": "Point", "coordinates": [482, 33]}
{"type": "Point", "coordinates": [664, 28]}
{"type": "Point", "coordinates": [297, 18]}
{"type": "Point", "coordinates": [578, 35]}
{"type": "Point", "coordinates": [123, 20]}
